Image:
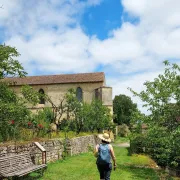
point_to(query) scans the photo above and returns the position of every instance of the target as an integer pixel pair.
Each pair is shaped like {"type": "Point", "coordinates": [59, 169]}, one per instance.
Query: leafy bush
{"type": "Point", "coordinates": [85, 116]}
{"type": "Point", "coordinates": [158, 145]}
{"type": "Point", "coordinates": [40, 122]}
{"type": "Point", "coordinates": [175, 150]}
{"type": "Point", "coordinates": [67, 124]}
{"type": "Point", "coordinates": [137, 143]}
{"type": "Point", "coordinates": [162, 136]}
{"type": "Point", "coordinates": [123, 130]}
{"type": "Point", "coordinates": [13, 113]}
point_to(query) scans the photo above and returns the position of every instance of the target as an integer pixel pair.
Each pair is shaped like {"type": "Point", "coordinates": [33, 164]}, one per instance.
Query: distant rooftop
{"type": "Point", "coordinates": [59, 79]}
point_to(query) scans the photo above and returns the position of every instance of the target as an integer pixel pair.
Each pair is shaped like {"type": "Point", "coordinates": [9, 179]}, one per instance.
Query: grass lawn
{"type": "Point", "coordinates": [83, 167]}
{"type": "Point", "coordinates": [120, 140]}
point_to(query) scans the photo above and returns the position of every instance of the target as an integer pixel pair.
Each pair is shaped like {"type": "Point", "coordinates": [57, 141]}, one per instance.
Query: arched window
{"type": "Point", "coordinates": [42, 100]}
{"type": "Point", "coordinates": [79, 94]}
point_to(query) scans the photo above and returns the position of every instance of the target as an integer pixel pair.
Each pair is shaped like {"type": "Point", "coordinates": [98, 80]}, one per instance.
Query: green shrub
{"type": "Point", "coordinates": [137, 143]}
{"type": "Point", "coordinates": [39, 123]}
{"type": "Point", "coordinates": [13, 113]}
{"type": "Point", "coordinates": [158, 145]}
{"type": "Point", "coordinates": [175, 150]}
{"type": "Point", "coordinates": [69, 125]}
{"type": "Point", "coordinates": [123, 130]}
{"type": "Point", "coordinates": [12, 118]}
{"type": "Point", "coordinates": [162, 146]}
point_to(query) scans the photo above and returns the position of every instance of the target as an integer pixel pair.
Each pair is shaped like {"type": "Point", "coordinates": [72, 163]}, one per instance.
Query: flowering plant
{"type": "Point", "coordinates": [40, 126]}
{"type": "Point", "coordinates": [11, 122]}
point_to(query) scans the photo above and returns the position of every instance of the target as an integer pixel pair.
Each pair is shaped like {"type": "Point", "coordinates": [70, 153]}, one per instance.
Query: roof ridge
{"type": "Point", "coordinates": [60, 78]}
{"type": "Point", "coordinates": [60, 74]}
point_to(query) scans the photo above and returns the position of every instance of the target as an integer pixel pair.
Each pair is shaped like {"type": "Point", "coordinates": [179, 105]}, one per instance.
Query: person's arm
{"type": "Point", "coordinates": [96, 150]}
{"type": "Point", "coordinates": [113, 156]}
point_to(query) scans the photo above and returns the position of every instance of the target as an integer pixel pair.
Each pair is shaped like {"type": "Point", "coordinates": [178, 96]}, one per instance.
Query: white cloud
{"type": "Point", "coordinates": [8, 7]}
{"type": "Point", "coordinates": [55, 52]}
{"type": "Point", "coordinates": [122, 45]}
{"type": "Point", "coordinates": [49, 37]}
{"type": "Point", "coordinates": [155, 38]}
{"type": "Point", "coordinates": [136, 82]}
{"type": "Point", "coordinates": [135, 7]}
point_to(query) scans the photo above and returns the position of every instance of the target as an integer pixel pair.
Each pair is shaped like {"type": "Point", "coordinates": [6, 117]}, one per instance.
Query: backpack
{"type": "Point", "coordinates": [104, 156]}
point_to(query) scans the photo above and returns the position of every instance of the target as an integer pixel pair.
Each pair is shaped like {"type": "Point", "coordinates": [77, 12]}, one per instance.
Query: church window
{"type": "Point", "coordinates": [96, 94]}
{"type": "Point", "coordinates": [42, 100]}
{"type": "Point", "coordinates": [79, 94]}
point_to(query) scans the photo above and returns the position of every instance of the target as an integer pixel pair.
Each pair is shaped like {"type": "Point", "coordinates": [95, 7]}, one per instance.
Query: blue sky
{"type": "Point", "coordinates": [100, 20]}
{"type": "Point", "coordinates": [126, 39]}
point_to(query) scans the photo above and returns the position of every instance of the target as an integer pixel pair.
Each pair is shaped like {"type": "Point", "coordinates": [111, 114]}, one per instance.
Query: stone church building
{"type": "Point", "coordinates": [88, 86]}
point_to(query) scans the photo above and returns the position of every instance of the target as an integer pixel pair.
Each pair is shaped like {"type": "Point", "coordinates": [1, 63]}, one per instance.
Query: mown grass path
{"type": "Point", "coordinates": [83, 167]}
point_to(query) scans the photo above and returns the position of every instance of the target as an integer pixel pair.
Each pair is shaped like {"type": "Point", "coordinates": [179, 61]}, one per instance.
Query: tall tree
{"type": "Point", "coordinates": [123, 107]}
{"type": "Point", "coordinates": [12, 108]}
{"type": "Point", "coordinates": [100, 117]}
{"type": "Point", "coordinates": [162, 98]}
{"type": "Point", "coordinates": [8, 65]}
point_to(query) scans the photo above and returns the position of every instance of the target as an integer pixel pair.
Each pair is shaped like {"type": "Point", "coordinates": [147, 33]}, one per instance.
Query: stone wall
{"type": "Point", "coordinates": [57, 91]}
{"type": "Point", "coordinates": [82, 144]}
{"type": "Point", "coordinates": [54, 148]}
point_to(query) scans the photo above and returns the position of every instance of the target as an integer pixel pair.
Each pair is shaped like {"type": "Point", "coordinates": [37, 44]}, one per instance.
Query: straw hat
{"type": "Point", "coordinates": [105, 137]}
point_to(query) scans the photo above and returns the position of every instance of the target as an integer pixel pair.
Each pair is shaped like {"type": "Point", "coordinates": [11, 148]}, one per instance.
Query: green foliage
{"type": "Point", "coordinates": [71, 114]}
{"type": "Point", "coordinates": [123, 130]}
{"type": "Point", "coordinates": [137, 143]}
{"type": "Point", "coordinates": [160, 93]}
{"type": "Point", "coordinates": [123, 107]}
{"type": "Point", "coordinates": [175, 149]}
{"type": "Point", "coordinates": [13, 113]}
{"type": "Point", "coordinates": [91, 117]}
{"type": "Point", "coordinates": [40, 122]}
{"type": "Point", "coordinates": [75, 110]}
{"type": "Point", "coordinates": [8, 65]}
{"type": "Point", "coordinates": [99, 116]}
{"type": "Point", "coordinates": [15, 117]}
{"type": "Point", "coordinates": [158, 145]}
{"type": "Point", "coordinates": [68, 125]}
{"type": "Point", "coordinates": [30, 94]}
{"type": "Point", "coordinates": [7, 95]}
{"type": "Point", "coordinates": [162, 98]}
{"type": "Point", "coordinates": [33, 97]}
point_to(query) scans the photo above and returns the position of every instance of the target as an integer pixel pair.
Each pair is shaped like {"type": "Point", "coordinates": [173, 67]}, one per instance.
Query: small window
{"type": "Point", "coordinates": [96, 94]}
{"type": "Point", "coordinates": [42, 100]}
{"type": "Point", "coordinates": [79, 94]}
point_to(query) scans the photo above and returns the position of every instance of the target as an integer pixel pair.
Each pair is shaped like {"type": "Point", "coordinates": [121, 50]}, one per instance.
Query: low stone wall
{"type": "Point", "coordinates": [173, 172]}
{"type": "Point", "coordinates": [54, 148]}
{"type": "Point", "coordinates": [82, 144]}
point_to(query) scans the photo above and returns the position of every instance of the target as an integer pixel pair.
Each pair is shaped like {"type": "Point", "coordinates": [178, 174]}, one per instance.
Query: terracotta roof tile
{"type": "Point", "coordinates": [59, 79]}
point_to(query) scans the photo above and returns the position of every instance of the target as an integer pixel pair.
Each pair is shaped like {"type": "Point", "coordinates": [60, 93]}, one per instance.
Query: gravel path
{"type": "Point", "coordinates": [126, 144]}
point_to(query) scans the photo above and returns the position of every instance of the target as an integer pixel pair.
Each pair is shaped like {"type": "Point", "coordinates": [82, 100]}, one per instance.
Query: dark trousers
{"type": "Point", "coordinates": [104, 170]}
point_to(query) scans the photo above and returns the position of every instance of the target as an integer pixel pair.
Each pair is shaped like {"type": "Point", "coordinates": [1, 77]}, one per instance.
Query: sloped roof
{"type": "Point", "coordinates": [59, 79]}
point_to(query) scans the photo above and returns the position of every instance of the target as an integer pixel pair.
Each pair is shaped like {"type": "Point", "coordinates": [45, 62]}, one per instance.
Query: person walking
{"type": "Point", "coordinates": [104, 153]}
